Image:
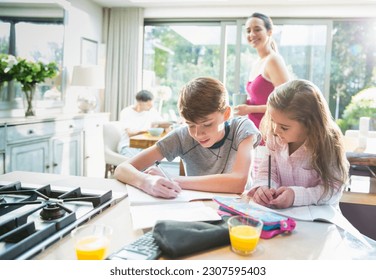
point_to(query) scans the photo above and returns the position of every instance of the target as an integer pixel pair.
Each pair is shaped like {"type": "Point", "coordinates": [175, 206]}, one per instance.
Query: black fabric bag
{"type": "Point", "coordinates": [177, 239]}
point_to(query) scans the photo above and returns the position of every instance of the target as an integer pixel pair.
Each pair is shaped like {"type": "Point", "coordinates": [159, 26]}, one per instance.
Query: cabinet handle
{"type": "Point", "coordinates": [71, 126]}
{"type": "Point", "coordinates": [47, 166]}
{"type": "Point", "coordinates": [55, 164]}
{"type": "Point", "coordinates": [30, 131]}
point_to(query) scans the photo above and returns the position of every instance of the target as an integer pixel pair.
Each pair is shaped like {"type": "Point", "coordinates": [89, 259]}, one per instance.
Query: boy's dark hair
{"type": "Point", "coordinates": [144, 96]}
{"type": "Point", "coordinates": [201, 97]}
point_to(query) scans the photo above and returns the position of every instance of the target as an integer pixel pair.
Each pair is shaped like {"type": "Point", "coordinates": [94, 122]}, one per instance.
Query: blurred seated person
{"type": "Point", "coordinates": [137, 119]}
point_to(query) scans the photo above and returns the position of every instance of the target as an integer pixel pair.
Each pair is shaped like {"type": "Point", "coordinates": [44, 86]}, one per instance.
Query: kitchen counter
{"type": "Point", "coordinates": [310, 240]}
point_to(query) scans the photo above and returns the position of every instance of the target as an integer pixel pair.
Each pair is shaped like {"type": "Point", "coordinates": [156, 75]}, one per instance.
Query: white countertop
{"type": "Point", "coordinates": [310, 240]}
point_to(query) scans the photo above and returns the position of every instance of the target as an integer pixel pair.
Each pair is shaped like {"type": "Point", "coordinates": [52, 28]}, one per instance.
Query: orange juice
{"type": "Point", "coordinates": [92, 248]}
{"type": "Point", "coordinates": [244, 238]}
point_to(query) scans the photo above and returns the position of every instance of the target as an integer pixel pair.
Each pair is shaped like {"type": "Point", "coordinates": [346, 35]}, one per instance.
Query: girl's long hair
{"type": "Point", "coordinates": [302, 101]}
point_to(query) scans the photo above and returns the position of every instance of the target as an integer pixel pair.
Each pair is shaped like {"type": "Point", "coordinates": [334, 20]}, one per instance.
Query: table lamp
{"type": "Point", "coordinates": [90, 77]}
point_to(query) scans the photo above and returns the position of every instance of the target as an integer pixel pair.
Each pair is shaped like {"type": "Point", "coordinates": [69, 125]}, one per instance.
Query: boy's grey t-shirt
{"type": "Point", "coordinates": [204, 161]}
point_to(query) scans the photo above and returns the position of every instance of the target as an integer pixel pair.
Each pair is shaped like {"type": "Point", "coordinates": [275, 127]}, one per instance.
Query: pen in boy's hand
{"type": "Point", "coordinates": [157, 164]}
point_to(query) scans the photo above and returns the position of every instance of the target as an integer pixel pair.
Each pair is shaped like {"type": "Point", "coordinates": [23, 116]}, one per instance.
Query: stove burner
{"type": "Point", "coordinates": [52, 211]}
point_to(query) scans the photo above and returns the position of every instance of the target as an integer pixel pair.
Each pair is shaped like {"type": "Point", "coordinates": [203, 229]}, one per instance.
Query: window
{"type": "Point", "coordinates": [332, 54]}
{"type": "Point", "coordinates": [174, 53]}
{"type": "Point", "coordinates": [33, 38]}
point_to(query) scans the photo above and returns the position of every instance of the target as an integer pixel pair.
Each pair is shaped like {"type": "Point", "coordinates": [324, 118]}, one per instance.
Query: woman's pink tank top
{"type": "Point", "coordinates": [258, 90]}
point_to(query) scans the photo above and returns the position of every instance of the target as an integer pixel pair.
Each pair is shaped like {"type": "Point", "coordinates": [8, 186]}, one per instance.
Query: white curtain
{"type": "Point", "coordinates": [123, 36]}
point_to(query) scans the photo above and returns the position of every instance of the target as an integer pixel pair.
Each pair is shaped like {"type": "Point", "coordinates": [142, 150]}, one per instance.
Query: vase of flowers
{"type": "Point", "coordinates": [28, 74]}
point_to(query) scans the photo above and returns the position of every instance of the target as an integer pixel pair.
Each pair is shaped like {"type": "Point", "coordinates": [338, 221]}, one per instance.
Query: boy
{"type": "Point", "coordinates": [215, 150]}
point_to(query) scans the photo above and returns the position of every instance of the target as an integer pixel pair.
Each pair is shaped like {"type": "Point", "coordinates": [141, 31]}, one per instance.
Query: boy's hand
{"type": "Point", "coordinates": [160, 187]}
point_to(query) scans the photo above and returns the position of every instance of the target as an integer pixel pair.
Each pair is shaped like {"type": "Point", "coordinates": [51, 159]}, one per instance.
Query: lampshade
{"type": "Point", "coordinates": [88, 76]}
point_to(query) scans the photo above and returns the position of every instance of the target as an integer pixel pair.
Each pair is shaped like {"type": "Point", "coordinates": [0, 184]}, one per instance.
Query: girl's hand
{"type": "Point", "coordinates": [160, 186]}
{"type": "Point", "coordinates": [262, 195]}
{"type": "Point", "coordinates": [284, 197]}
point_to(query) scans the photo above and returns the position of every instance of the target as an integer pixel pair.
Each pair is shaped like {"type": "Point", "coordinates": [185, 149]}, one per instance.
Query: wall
{"type": "Point", "coordinates": [282, 11]}
{"type": "Point", "coordinates": [84, 21]}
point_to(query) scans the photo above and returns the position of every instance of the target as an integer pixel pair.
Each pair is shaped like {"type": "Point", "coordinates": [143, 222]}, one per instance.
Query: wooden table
{"type": "Point", "coordinates": [144, 140]}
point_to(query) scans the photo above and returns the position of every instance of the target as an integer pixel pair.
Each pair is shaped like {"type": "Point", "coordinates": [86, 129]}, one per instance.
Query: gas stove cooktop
{"type": "Point", "coordinates": [32, 217]}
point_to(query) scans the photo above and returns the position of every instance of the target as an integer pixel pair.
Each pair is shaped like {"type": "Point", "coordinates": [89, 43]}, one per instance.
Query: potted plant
{"type": "Point", "coordinates": [29, 74]}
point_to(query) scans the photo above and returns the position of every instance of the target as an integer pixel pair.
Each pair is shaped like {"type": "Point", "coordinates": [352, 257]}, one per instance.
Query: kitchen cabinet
{"type": "Point", "coordinates": [67, 145]}
{"type": "Point", "coordinates": [66, 155]}
{"type": "Point", "coordinates": [30, 156]}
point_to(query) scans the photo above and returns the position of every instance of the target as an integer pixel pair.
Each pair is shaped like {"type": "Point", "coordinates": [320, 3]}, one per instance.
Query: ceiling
{"type": "Point", "coordinates": [232, 3]}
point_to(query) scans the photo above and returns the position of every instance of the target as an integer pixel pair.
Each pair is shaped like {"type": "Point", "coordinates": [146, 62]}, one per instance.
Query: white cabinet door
{"type": "Point", "coordinates": [66, 154]}
{"type": "Point", "coordinates": [29, 156]}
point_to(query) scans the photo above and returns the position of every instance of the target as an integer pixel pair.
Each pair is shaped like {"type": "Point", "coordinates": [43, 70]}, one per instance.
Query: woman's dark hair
{"type": "Point", "coordinates": [268, 23]}
{"type": "Point", "coordinates": [267, 20]}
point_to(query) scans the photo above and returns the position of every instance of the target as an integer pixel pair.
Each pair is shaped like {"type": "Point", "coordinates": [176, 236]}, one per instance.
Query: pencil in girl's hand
{"type": "Point", "coordinates": [269, 171]}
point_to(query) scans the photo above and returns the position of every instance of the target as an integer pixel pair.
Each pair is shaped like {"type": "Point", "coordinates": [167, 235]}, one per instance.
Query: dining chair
{"type": "Point", "coordinates": [112, 132]}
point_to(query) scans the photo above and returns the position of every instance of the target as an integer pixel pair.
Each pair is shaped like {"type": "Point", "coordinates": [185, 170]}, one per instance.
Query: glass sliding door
{"type": "Point", "coordinates": [304, 47]}
{"type": "Point", "coordinates": [175, 53]}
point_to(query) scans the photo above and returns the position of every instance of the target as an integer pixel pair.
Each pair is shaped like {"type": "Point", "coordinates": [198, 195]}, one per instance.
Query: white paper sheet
{"type": "Point", "coordinates": [145, 216]}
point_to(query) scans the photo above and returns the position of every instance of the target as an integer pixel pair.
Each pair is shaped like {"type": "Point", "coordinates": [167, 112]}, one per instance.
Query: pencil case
{"type": "Point", "coordinates": [274, 224]}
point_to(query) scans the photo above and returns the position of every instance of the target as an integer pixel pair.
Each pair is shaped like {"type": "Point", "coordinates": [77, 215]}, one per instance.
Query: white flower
{"type": "Point", "coordinates": [11, 61]}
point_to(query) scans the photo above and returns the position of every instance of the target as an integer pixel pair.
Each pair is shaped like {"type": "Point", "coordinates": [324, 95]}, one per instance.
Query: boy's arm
{"type": "Point", "coordinates": [130, 172]}
{"type": "Point", "coordinates": [233, 182]}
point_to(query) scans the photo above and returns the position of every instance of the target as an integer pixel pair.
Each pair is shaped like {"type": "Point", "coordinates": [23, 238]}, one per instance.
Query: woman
{"type": "Point", "coordinates": [268, 72]}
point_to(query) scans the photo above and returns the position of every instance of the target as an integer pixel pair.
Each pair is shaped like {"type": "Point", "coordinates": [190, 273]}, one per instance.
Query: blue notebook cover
{"type": "Point", "coordinates": [236, 206]}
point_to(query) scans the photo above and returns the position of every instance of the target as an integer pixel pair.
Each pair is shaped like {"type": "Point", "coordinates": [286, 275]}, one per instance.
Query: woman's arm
{"type": "Point", "coordinates": [244, 109]}
{"type": "Point", "coordinates": [233, 182]}
{"type": "Point", "coordinates": [276, 70]}
{"type": "Point", "coordinates": [130, 172]}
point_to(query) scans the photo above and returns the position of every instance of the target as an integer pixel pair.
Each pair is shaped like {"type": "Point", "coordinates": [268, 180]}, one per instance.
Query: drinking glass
{"type": "Point", "coordinates": [244, 234]}
{"type": "Point", "coordinates": [91, 242]}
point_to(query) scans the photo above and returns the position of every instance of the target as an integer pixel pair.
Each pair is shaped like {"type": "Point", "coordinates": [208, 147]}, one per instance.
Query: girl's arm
{"type": "Point", "coordinates": [233, 182]}
{"type": "Point", "coordinates": [313, 195]}
{"type": "Point", "coordinates": [130, 172]}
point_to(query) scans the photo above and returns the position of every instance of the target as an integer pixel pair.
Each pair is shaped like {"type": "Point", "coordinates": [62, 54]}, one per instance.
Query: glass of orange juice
{"type": "Point", "coordinates": [244, 234]}
{"type": "Point", "coordinates": [91, 242]}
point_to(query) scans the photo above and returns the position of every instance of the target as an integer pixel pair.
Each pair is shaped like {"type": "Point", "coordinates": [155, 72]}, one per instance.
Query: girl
{"type": "Point", "coordinates": [215, 149]}
{"type": "Point", "coordinates": [308, 161]}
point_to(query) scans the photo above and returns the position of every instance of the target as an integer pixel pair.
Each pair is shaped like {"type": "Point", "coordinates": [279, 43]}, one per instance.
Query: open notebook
{"type": "Point", "coordinates": [188, 206]}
